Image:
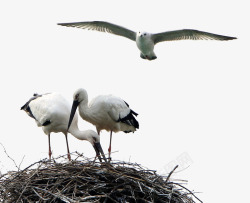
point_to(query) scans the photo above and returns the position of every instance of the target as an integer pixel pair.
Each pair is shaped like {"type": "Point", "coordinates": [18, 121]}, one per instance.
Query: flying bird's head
{"type": "Point", "coordinates": [142, 34]}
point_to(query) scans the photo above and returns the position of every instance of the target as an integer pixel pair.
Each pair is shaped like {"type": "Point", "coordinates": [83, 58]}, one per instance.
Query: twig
{"type": "Point", "coordinates": [92, 197]}
{"type": "Point", "coordinates": [167, 179]}
{"type": "Point", "coordinates": [60, 196]}
{"type": "Point", "coordinates": [140, 186]}
{"type": "Point", "coordinates": [39, 195]}
{"type": "Point", "coordinates": [20, 172]}
{"type": "Point", "coordinates": [21, 162]}
{"type": "Point", "coordinates": [10, 157]}
{"type": "Point", "coordinates": [188, 191]}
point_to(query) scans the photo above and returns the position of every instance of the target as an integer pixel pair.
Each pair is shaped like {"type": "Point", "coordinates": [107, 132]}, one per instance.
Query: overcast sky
{"type": "Point", "coordinates": [193, 100]}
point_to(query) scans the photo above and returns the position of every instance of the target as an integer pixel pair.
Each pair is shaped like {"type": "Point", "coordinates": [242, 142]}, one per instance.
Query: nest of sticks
{"type": "Point", "coordinates": [83, 180]}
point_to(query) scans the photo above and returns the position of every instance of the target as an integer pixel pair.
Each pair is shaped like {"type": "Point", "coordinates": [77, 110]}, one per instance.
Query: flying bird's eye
{"type": "Point", "coordinates": [145, 34]}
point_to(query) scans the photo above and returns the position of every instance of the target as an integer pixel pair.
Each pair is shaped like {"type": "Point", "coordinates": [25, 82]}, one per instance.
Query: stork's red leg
{"type": "Point", "coordinates": [109, 149]}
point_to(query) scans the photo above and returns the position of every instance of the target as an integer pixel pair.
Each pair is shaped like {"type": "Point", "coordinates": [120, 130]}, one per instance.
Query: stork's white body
{"type": "Point", "coordinates": [104, 111]}
{"type": "Point", "coordinates": [54, 108]}
{"type": "Point", "coordinates": [51, 112]}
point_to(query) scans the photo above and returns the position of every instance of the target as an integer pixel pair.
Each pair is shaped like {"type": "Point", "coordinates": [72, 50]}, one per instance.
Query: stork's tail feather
{"type": "Point", "coordinates": [136, 114]}
{"type": "Point", "coordinates": [130, 119]}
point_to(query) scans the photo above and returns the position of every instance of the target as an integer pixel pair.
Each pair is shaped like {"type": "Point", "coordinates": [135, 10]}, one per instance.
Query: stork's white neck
{"type": "Point", "coordinates": [85, 111]}
{"type": "Point", "coordinates": [81, 135]}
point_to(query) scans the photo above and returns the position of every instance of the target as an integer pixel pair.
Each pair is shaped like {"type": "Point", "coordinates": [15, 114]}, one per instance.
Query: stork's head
{"type": "Point", "coordinates": [94, 139]}
{"type": "Point", "coordinates": [80, 95]}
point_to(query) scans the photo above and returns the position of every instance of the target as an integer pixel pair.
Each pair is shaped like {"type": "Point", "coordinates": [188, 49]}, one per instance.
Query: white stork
{"type": "Point", "coordinates": [51, 112]}
{"type": "Point", "coordinates": [146, 41]}
{"type": "Point", "coordinates": [106, 112]}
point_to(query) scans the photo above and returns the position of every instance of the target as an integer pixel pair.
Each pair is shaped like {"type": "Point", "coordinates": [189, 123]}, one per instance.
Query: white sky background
{"type": "Point", "coordinates": [193, 100]}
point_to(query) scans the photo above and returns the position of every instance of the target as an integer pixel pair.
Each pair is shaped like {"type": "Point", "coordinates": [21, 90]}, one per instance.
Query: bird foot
{"type": "Point", "coordinates": [109, 159]}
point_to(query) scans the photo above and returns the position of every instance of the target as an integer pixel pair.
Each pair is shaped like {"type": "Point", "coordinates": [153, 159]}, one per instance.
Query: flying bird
{"type": "Point", "coordinates": [146, 41]}
{"type": "Point", "coordinates": [51, 112]}
{"type": "Point", "coordinates": [106, 112]}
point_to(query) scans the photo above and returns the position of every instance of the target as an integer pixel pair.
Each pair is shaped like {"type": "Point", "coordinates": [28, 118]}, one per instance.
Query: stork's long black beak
{"type": "Point", "coordinates": [73, 111]}
{"type": "Point", "coordinates": [98, 148]}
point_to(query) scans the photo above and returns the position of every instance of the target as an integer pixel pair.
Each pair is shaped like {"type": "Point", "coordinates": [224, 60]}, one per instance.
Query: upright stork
{"type": "Point", "coordinates": [106, 112]}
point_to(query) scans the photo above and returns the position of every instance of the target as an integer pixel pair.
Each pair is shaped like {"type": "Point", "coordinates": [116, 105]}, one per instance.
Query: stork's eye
{"type": "Point", "coordinates": [145, 34]}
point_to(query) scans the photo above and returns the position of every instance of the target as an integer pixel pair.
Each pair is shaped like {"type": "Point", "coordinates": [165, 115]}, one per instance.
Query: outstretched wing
{"type": "Point", "coordinates": [103, 27]}
{"type": "Point", "coordinates": [188, 34]}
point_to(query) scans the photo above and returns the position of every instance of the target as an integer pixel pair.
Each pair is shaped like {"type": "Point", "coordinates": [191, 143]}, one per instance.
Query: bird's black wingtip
{"type": "Point", "coordinates": [231, 38]}
{"type": "Point", "coordinates": [62, 24]}
{"type": "Point", "coordinates": [68, 24]}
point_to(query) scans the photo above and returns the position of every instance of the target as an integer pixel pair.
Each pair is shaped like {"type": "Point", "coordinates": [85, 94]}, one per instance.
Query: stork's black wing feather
{"type": "Point", "coordinates": [130, 119]}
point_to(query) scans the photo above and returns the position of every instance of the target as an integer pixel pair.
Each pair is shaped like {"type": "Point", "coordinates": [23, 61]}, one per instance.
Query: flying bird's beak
{"type": "Point", "coordinates": [98, 148]}
{"type": "Point", "coordinates": [72, 113]}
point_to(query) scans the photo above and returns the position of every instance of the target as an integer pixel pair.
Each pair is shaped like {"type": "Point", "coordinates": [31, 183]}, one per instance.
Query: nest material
{"type": "Point", "coordinates": [86, 181]}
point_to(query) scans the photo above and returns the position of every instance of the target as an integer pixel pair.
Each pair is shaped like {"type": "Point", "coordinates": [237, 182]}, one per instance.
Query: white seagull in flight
{"type": "Point", "coordinates": [146, 41]}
